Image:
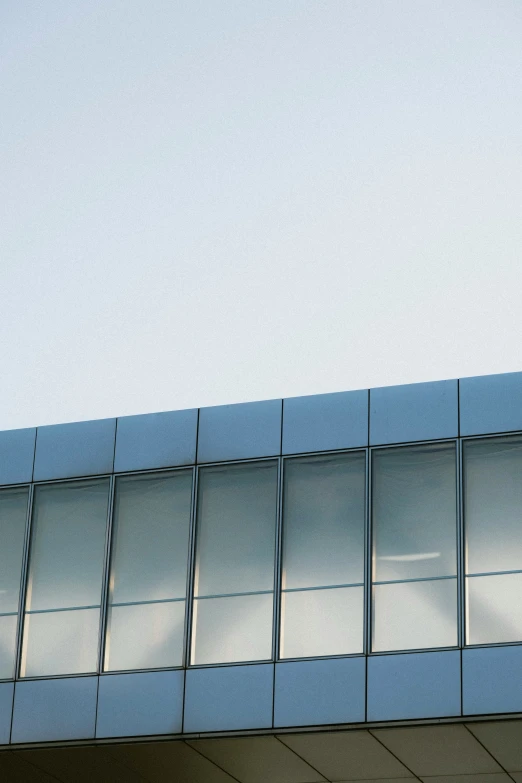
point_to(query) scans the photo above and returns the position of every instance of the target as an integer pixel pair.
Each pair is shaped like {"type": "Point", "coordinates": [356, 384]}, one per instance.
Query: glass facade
{"type": "Point", "coordinates": [492, 473]}
{"type": "Point", "coordinates": [65, 578]}
{"type": "Point", "coordinates": [13, 519]}
{"type": "Point", "coordinates": [414, 559]}
{"type": "Point", "coordinates": [235, 563]}
{"type": "Point", "coordinates": [148, 575]}
{"type": "Point", "coordinates": [330, 554]}
{"type": "Point", "coordinates": [322, 578]}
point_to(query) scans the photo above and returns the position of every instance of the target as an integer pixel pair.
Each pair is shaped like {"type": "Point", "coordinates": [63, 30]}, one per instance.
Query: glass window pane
{"type": "Point", "coordinates": [145, 636]}
{"type": "Point", "coordinates": [415, 615]}
{"type": "Point", "coordinates": [227, 630]}
{"type": "Point", "coordinates": [150, 537]}
{"type": "Point", "coordinates": [13, 516]}
{"type": "Point", "coordinates": [323, 534]}
{"type": "Point", "coordinates": [60, 643]}
{"type": "Point", "coordinates": [7, 645]}
{"type": "Point", "coordinates": [494, 609]}
{"type": "Point", "coordinates": [493, 504]}
{"type": "Point", "coordinates": [322, 622]}
{"type": "Point", "coordinates": [414, 512]}
{"type": "Point", "coordinates": [236, 529]}
{"type": "Point", "coordinates": [67, 545]}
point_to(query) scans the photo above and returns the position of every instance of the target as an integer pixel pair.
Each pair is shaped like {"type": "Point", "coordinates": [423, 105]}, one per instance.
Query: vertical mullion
{"type": "Point", "coordinates": [276, 622]}
{"type": "Point", "coordinates": [368, 564]}
{"type": "Point", "coordinates": [106, 576]}
{"type": "Point", "coordinates": [23, 582]}
{"type": "Point", "coordinates": [462, 548]}
{"type": "Point", "coordinates": [191, 565]}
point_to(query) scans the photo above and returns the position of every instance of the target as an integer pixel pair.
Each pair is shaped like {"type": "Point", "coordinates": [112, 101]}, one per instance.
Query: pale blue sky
{"type": "Point", "coordinates": [223, 200]}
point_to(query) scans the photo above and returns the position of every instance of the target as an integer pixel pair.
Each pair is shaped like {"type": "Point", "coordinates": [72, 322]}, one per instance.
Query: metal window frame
{"type": "Point", "coordinates": [27, 563]}
{"type": "Point", "coordinates": [108, 567]}
{"type": "Point", "coordinates": [371, 565]}
{"type": "Point", "coordinates": [465, 576]}
{"type": "Point", "coordinates": [363, 450]}
{"type": "Point", "coordinates": [278, 554]}
{"type": "Point", "coordinates": [190, 638]}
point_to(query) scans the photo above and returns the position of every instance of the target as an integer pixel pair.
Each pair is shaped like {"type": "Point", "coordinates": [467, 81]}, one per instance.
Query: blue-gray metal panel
{"type": "Point", "coordinates": [138, 704]}
{"type": "Point", "coordinates": [84, 448]}
{"type": "Point", "coordinates": [243, 431]}
{"type": "Point", "coordinates": [156, 440]}
{"type": "Point", "coordinates": [52, 710]}
{"type": "Point", "coordinates": [229, 698]}
{"type": "Point", "coordinates": [418, 411]}
{"type": "Point", "coordinates": [325, 422]}
{"type": "Point", "coordinates": [17, 455]}
{"type": "Point", "coordinates": [491, 403]}
{"type": "Point", "coordinates": [313, 693]}
{"type": "Point", "coordinates": [491, 680]}
{"type": "Point", "coordinates": [6, 709]}
{"type": "Point", "coordinates": [414, 685]}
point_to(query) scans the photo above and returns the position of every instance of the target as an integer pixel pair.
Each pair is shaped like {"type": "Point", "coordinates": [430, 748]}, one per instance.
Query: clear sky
{"type": "Point", "coordinates": [212, 201]}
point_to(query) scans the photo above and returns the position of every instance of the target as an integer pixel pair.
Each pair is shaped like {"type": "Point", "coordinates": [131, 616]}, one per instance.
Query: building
{"type": "Point", "coordinates": [322, 588]}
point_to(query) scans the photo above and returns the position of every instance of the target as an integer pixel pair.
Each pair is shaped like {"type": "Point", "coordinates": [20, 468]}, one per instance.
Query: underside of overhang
{"type": "Point", "coordinates": [472, 752]}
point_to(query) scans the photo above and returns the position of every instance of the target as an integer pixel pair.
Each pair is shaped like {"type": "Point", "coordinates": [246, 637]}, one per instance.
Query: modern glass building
{"type": "Point", "coordinates": [322, 588]}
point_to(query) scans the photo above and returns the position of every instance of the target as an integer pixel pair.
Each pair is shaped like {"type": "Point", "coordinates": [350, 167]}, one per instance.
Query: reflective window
{"type": "Point", "coordinates": [64, 586]}
{"type": "Point", "coordinates": [148, 576]}
{"type": "Point", "coordinates": [234, 575]}
{"type": "Point", "coordinates": [323, 547]}
{"type": "Point", "coordinates": [414, 529]}
{"type": "Point", "coordinates": [13, 516]}
{"type": "Point", "coordinates": [235, 628]}
{"type": "Point", "coordinates": [322, 622]}
{"type": "Point", "coordinates": [493, 539]}
{"type": "Point", "coordinates": [413, 615]}
{"type": "Point", "coordinates": [494, 608]}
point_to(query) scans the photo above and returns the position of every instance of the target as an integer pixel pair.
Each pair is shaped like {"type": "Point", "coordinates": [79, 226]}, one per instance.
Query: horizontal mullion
{"type": "Point", "coordinates": [321, 587]}
{"type": "Point", "coordinates": [61, 609]}
{"type": "Point", "coordinates": [146, 603]}
{"type": "Point", "coordinates": [233, 595]}
{"type": "Point", "coordinates": [419, 579]}
{"type": "Point", "coordinates": [495, 573]}
{"type": "Point", "coordinates": [8, 614]}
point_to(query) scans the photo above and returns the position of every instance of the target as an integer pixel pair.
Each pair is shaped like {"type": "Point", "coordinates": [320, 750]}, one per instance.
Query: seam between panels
{"type": "Point", "coordinates": [12, 715]}
{"type": "Point", "coordinates": [369, 417]}
{"type": "Point", "coordinates": [34, 453]}
{"type": "Point", "coordinates": [490, 754]}
{"type": "Point", "coordinates": [366, 667]}
{"type": "Point", "coordinates": [139, 775]}
{"type": "Point", "coordinates": [273, 693]}
{"type": "Point", "coordinates": [461, 663]}
{"type": "Point", "coordinates": [96, 705]}
{"type": "Point", "coordinates": [114, 447]}
{"type": "Point", "coordinates": [282, 426]}
{"type": "Point", "coordinates": [278, 738]}
{"type": "Point", "coordinates": [183, 693]}
{"type": "Point", "coordinates": [458, 407]}
{"type": "Point", "coordinates": [17, 754]}
{"type": "Point", "coordinates": [394, 755]}
{"type": "Point", "coordinates": [214, 764]}
{"type": "Point", "coordinates": [196, 455]}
